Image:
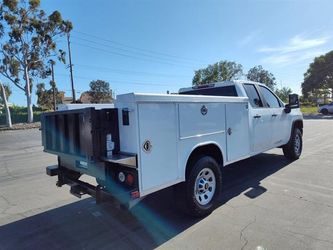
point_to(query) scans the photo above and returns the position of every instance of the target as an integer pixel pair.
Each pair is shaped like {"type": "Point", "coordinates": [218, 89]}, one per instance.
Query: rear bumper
{"type": "Point", "coordinates": [79, 188]}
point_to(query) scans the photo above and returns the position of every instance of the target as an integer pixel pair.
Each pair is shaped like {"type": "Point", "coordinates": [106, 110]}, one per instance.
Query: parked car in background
{"type": "Point", "coordinates": [326, 109]}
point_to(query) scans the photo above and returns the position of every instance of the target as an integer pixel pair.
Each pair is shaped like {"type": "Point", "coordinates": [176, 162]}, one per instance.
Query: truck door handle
{"type": "Point", "coordinates": [274, 115]}
{"type": "Point", "coordinates": [257, 116]}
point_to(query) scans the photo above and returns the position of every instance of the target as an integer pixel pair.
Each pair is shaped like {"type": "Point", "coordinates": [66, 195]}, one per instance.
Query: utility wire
{"type": "Point", "coordinates": [123, 71]}
{"type": "Point", "coordinates": [138, 53]}
{"type": "Point", "coordinates": [130, 56]}
{"type": "Point", "coordinates": [122, 81]}
{"type": "Point", "coordinates": [136, 48]}
{"type": "Point", "coordinates": [126, 71]}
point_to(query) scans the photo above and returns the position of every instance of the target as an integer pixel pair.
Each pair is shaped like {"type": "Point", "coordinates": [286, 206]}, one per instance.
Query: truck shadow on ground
{"type": "Point", "coordinates": [155, 220]}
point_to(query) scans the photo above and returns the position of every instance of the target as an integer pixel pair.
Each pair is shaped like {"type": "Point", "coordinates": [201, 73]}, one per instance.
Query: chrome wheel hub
{"type": "Point", "coordinates": [204, 187]}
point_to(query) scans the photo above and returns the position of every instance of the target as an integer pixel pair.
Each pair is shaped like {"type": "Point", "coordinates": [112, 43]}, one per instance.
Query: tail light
{"type": "Point", "coordinates": [135, 194]}
{"type": "Point", "coordinates": [129, 179]}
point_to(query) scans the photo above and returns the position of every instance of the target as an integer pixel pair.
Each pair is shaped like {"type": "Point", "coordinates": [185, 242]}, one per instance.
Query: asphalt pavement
{"type": "Point", "coordinates": [267, 203]}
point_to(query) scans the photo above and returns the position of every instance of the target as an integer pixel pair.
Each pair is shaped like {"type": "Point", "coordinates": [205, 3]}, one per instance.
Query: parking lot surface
{"type": "Point", "coordinates": [267, 203]}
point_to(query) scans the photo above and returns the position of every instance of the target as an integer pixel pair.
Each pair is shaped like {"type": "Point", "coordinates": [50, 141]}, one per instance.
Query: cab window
{"type": "Point", "coordinates": [217, 91]}
{"type": "Point", "coordinates": [270, 98]}
{"type": "Point", "coordinates": [253, 95]}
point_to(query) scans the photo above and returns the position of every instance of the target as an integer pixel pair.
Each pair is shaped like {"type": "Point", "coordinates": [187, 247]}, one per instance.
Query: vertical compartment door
{"type": "Point", "coordinates": [237, 131]}
{"type": "Point", "coordinates": [158, 145]}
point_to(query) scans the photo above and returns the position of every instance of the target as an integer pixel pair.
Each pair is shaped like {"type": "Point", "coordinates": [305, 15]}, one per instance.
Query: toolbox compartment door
{"type": "Point", "coordinates": [238, 131]}
{"type": "Point", "coordinates": [158, 145]}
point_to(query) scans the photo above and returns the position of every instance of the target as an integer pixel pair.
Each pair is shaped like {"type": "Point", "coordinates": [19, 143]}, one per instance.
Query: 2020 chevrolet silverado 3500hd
{"type": "Point", "coordinates": [148, 142]}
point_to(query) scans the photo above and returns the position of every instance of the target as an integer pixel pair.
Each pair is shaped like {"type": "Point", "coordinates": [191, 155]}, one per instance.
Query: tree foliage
{"type": "Point", "coordinates": [259, 74]}
{"type": "Point", "coordinates": [45, 96]}
{"type": "Point", "coordinates": [220, 71]}
{"type": "Point", "coordinates": [100, 91]}
{"type": "Point", "coordinates": [27, 34]}
{"type": "Point", "coordinates": [319, 75]}
{"type": "Point", "coordinates": [284, 93]}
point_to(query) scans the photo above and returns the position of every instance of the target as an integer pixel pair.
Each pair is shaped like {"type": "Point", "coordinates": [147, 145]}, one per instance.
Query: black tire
{"type": "Point", "coordinates": [293, 149]}
{"type": "Point", "coordinates": [324, 111]}
{"type": "Point", "coordinates": [185, 193]}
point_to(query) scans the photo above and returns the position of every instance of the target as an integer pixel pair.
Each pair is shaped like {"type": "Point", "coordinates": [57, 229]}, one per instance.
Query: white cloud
{"type": "Point", "coordinates": [296, 50]}
{"type": "Point", "coordinates": [249, 38]}
{"type": "Point", "coordinates": [291, 58]}
{"type": "Point", "coordinates": [296, 43]}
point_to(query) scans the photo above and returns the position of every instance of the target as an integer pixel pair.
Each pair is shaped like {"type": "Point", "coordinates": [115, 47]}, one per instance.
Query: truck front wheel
{"type": "Point", "coordinates": [293, 149]}
{"type": "Point", "coordinates": [198, 196]}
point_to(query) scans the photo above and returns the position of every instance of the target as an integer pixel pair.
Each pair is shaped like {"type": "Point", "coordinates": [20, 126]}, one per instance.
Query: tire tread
{"type": "Point", "coordinates": [288, 149]}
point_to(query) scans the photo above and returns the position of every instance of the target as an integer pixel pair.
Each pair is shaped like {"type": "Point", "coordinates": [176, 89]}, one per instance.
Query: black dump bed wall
{"type": "Point", "coordinates": [81, 132]}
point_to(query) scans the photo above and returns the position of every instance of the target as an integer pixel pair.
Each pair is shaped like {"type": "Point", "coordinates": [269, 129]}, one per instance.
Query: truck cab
{"type": "Point", "coordinates": [148, 142]}
{"type": "Point", "coordinates": [269, 123]}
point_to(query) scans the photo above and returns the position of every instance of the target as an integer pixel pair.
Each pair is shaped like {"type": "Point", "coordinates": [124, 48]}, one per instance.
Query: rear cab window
{"type": "Point", "coordinates": [253, 95]}
{"type": "Point", "coordinates": [213, 91]}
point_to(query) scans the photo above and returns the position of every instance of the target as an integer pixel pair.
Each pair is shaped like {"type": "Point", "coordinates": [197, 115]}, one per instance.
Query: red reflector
{"type": "Point", "coordinates": [130, 179]}
{"type": "Point", "coordinates": [135, 194]}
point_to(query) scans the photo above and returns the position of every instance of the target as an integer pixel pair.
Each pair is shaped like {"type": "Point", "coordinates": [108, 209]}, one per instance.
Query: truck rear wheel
{"type": "Point", "coordinates": [293, 149]}
{"type": "Point", "coordinates": [198, 196]}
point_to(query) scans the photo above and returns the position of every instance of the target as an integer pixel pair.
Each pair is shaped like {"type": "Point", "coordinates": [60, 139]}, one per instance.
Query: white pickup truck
{"type": "Point", "coordinates": [148, 142]}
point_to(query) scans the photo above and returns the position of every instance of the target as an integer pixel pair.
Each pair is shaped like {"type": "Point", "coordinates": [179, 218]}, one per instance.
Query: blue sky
{"type": "Point", "coordinates": [155, 45]}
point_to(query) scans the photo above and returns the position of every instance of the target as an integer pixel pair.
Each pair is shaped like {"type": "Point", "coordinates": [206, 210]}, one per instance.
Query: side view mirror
{"type": "Point", "coordinates": [293, 103]}
{"type": "Point", "coordinates": [287, 109]}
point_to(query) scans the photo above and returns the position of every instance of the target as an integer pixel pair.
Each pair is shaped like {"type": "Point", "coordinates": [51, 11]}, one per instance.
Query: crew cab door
{"type": "Point", "coordinates": [260, 120]}
{"type": "Point", "coordinates": [279, 119]}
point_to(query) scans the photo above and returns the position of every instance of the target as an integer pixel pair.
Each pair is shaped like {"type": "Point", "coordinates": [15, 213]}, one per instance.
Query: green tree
{"type": "Point", "coordinates": [259, 74]}
{"type": "Point", "coordinates": [284, 93]}
{"type": "Point", "coordinates": [45, 96]}
{"type": "Point", "coordinates": [28, 41]}
{"type": "Point", "coordinates": [319, 75]}
{"type": "Point", "coordinates": [220, 71]}
{"type": "Point", "coordinates": [100, 91]}
{"type": "Point", "coordinates": [322, 92]}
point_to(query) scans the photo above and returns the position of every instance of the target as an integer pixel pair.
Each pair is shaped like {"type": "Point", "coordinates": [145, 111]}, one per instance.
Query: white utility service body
{"type": "Point", "coordinates": [160, 140]}
{"type": "Point", "coordinates": [174, 125]}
